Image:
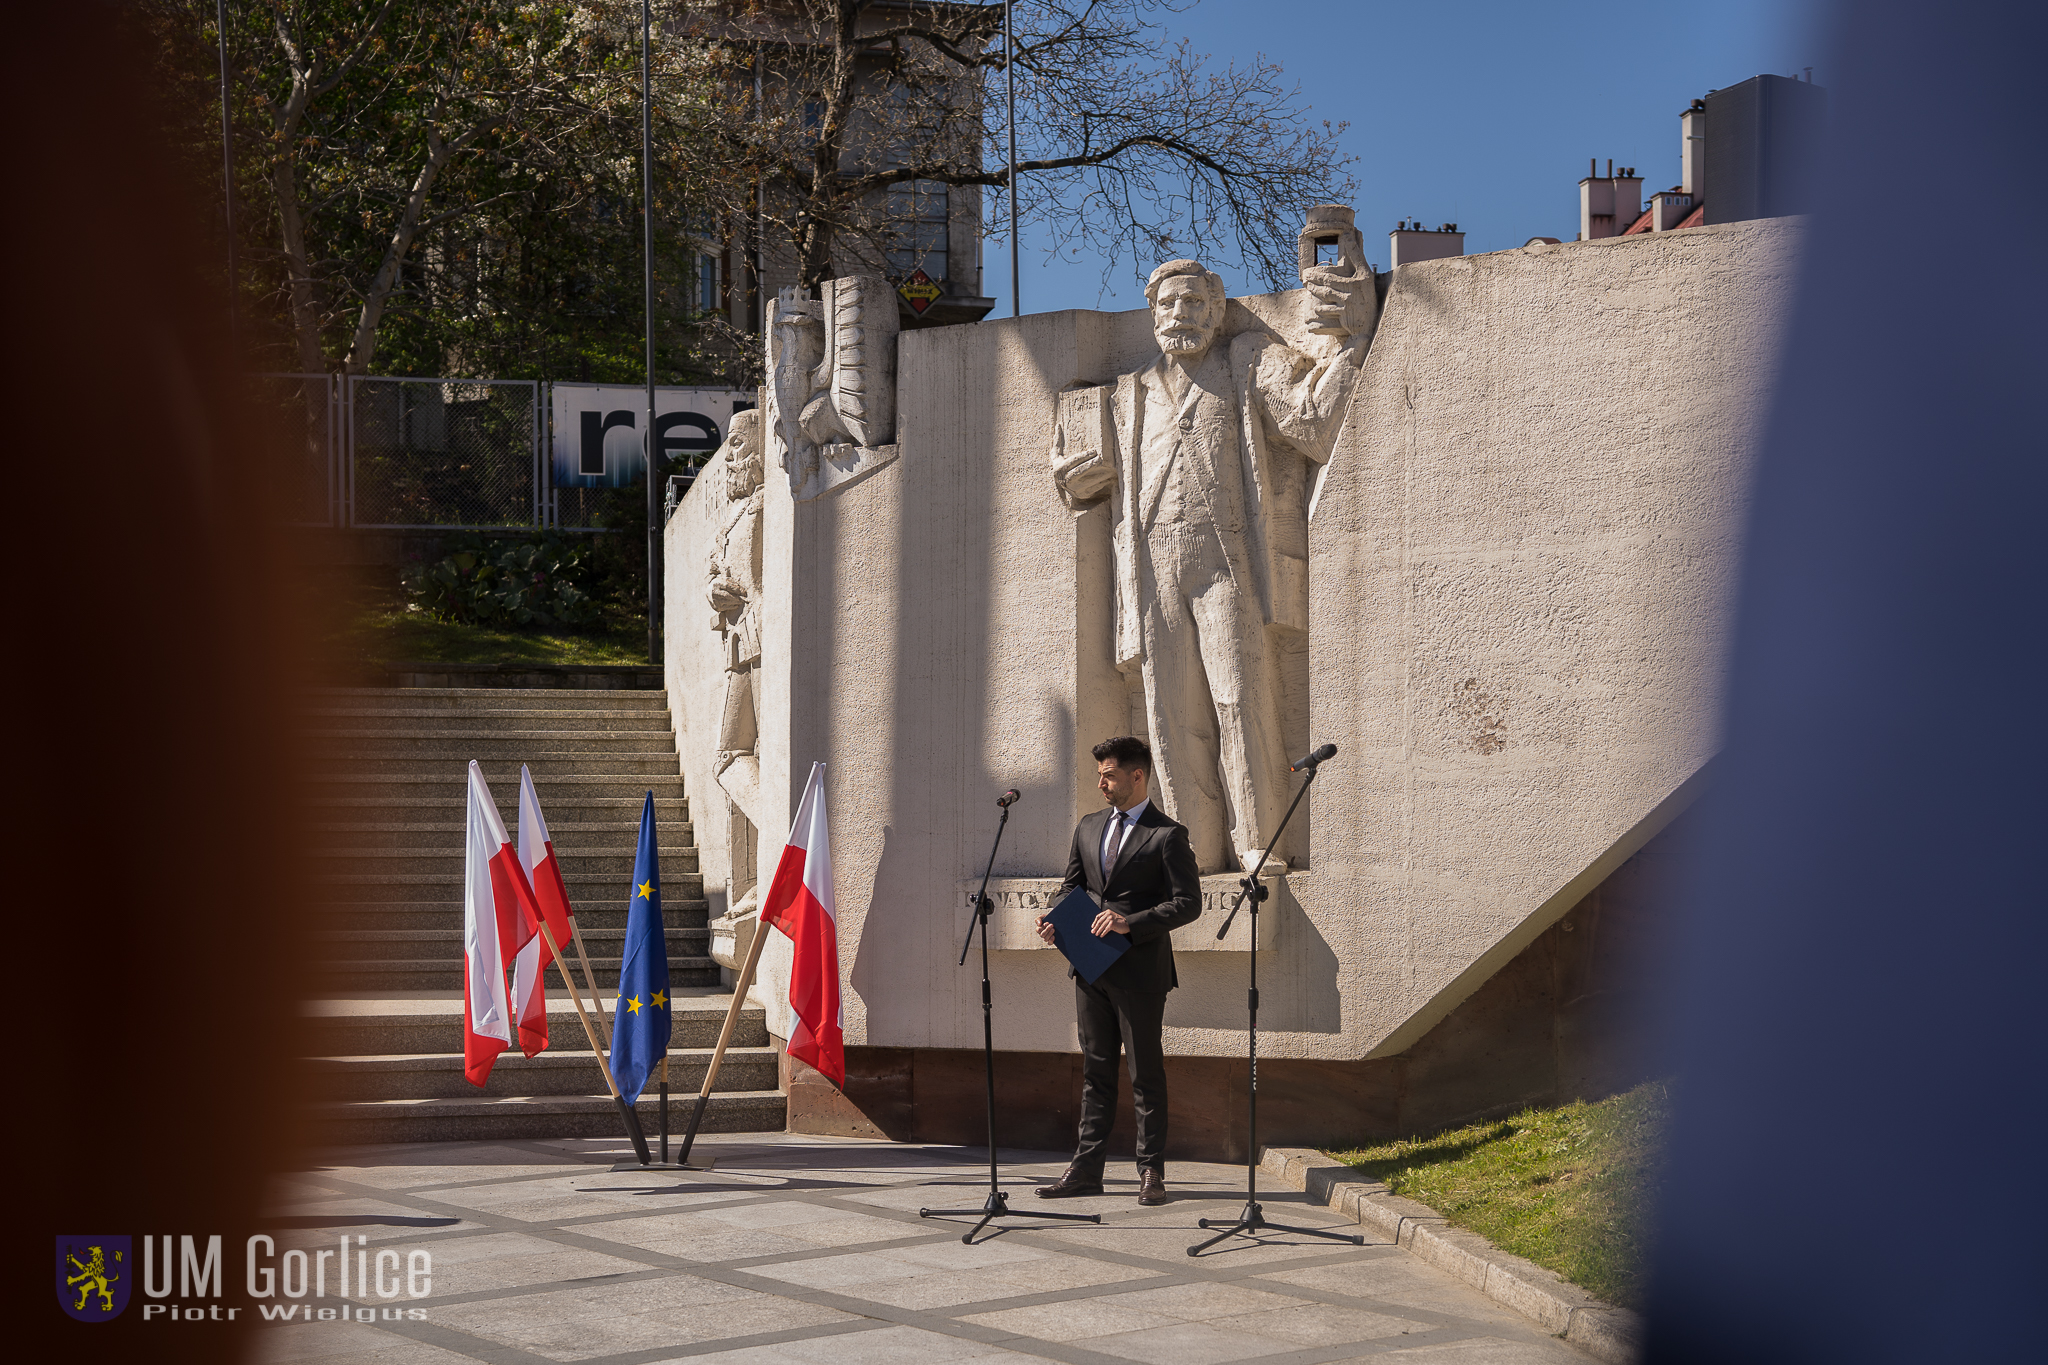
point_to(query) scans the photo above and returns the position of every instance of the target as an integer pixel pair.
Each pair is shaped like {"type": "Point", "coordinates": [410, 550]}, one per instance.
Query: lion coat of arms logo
{"type": "Point", "coordinates": [93, 1274]}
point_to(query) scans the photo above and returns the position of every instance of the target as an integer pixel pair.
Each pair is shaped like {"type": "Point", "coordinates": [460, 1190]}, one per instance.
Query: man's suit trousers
{"type": "Point", "coordinates": [1111, 1019]}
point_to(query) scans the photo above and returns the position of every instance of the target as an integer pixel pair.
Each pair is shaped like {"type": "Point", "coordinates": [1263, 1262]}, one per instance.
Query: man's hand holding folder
{"type": "Point", "coordinates": [1091, 938]}
{"type": "Point", "coordinates": [1107, 923]}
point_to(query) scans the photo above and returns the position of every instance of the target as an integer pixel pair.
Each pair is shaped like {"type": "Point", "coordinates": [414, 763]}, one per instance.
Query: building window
{"type": "Point", "coordinates": [707, 283]}
{"type": "Point", "coordinates": [918, 211]}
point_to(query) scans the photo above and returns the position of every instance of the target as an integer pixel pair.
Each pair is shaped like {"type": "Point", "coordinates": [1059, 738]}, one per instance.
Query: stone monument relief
{"type": "Point", "coordinates": [734, 593]}
{"type": "Point", "coordinates": [832, 383]}
{"type": "Point", "coordinates": [1207, 457]}
{"type": "Point", "coordinates": [1474, 521]}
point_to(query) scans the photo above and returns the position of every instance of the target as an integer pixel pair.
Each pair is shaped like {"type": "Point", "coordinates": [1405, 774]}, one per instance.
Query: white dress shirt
{"type": "Point", "coordinates": [1129, 821]}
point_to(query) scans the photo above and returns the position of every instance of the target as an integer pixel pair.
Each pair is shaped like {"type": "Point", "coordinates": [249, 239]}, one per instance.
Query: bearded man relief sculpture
{"type": "Point", "coordinates": [1207, 458]}
{"type": "Point", "coordinates": [734, 593]}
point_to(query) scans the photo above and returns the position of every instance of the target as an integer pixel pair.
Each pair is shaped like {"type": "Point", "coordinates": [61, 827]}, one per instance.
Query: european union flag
{"type": "Point", "coordinates": [640, 1024]}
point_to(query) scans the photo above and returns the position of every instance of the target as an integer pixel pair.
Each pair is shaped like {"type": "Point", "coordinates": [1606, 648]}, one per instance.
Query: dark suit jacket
{"type": "Point", "coordinates": [1155, 884]}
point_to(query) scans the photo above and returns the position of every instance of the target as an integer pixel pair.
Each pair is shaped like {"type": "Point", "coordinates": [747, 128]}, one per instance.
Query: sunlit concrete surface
{"type": "Point", "coordinates": [805, 1249]}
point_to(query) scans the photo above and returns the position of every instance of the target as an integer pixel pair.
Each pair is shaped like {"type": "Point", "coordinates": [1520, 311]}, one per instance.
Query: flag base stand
{"type": "Point", "coordinates": [644, 1164]}
{"type": "Point", "coordinates": [664, 1166]}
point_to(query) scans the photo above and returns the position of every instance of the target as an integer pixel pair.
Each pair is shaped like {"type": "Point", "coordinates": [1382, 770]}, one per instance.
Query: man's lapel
{"type": "Point", "coordinates": [1093, 853]}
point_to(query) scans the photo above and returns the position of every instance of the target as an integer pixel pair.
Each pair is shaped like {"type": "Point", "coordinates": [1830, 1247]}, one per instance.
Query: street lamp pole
{"type": "Point", "coordinates": [1010, 76]}
{"type": "Point", "coordinates": [654, 527]}
{"type": "Point", "coordinates": [227, 175]}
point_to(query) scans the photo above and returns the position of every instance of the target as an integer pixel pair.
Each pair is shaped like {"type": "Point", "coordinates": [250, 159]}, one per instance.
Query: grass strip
{"type": "Point", "coordinates": [1572, 1188]}
{"type": "Point", "coordinates": [388, 631]}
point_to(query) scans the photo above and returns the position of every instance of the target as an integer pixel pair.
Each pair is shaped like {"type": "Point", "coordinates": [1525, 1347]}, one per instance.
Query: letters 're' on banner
{"type": "Point", "coordinates": [597, 440]}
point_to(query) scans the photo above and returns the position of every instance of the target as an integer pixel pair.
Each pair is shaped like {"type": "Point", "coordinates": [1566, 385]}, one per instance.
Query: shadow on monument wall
{"type": "Point", "coordinates": [1297, 974]}
{"type": "Point", "coordinates": [1565, 1019]}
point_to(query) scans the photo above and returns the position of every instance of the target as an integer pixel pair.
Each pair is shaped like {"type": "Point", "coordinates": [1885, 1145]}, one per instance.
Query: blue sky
{"type": "Point", "coordinates": [1481, 113]}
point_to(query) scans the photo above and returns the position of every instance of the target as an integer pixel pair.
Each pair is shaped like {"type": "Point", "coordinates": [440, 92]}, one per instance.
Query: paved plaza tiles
{"type": "Point", "coordinates": [797, 1250]}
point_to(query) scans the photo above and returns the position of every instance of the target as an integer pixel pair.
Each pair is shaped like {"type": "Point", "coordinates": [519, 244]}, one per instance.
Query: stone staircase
{"type": "Point", "coordinates": [387, 802]}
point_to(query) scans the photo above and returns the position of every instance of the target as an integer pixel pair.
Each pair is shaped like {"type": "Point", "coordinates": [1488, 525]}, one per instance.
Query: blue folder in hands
{"type": "Point", "coordinates": [1090, 956]}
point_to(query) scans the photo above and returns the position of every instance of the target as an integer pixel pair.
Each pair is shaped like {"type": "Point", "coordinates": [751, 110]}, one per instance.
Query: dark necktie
{"type": "Point", "coordinates": [1116, 842]}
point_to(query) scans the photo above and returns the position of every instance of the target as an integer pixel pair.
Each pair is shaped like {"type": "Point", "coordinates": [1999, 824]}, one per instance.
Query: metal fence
{"type": "Point", "coordinates": [300, 415]}
{"type": "Point", "coordinates": [417, 454]}
{"type": "Point", "coordinates": [443, 453]}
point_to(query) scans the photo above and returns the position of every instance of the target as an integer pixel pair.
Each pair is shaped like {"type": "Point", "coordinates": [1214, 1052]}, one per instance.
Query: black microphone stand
{"type": "Point", "coordinates": [997, 1205]}
{"type": "Point", "coordinates": [1251, 1219]}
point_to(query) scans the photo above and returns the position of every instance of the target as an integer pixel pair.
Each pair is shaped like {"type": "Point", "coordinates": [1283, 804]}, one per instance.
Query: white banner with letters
{"type": "Point", "coordinates": [597, 439]}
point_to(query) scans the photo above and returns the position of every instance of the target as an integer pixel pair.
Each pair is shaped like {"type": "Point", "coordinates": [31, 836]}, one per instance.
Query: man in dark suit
{"type": "Point", "coordinates": [1139, 864]}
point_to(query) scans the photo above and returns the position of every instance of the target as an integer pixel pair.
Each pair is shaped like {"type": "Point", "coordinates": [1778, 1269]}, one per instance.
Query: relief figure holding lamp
{"type": "Point", "coordinates": [1207, 458]}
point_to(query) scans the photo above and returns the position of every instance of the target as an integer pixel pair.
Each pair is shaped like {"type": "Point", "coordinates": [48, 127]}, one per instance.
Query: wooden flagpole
{"type": "Point", "coordinates": [603, 1059]}
{"type": "Point", "coordinates": [603, 1022]}
{"type": "Point", "coordinates": [740, 985]}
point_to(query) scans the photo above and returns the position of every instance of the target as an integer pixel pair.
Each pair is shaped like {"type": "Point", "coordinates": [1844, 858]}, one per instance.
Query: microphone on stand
{"type": "Point", "coordinates": [1309, 763]}
{"type": "Point", "coordinates": [1011, 795]}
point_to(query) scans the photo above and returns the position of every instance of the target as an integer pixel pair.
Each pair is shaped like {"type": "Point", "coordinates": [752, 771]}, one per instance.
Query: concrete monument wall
{"type": "Point", "coordinates": [1518, 560]}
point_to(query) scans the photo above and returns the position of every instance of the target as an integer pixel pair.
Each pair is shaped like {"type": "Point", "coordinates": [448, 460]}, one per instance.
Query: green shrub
{"type": "Point", "coordinates": [540, 583]}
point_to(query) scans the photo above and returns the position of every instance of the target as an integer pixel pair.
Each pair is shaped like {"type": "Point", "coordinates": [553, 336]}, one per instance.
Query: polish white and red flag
{"type": "Point", "coordinates": [498, 931]}
{"type": "Point", "coordinates": [543, 868]}
{"type": "Point", "coordinates": [799, 903]}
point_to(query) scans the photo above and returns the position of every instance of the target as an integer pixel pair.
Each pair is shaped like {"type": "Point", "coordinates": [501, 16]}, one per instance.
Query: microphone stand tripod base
{"type": "Point", "coordinates": [997, 1205]}
{"type": "Point", "coordinates": [1251, 1220]}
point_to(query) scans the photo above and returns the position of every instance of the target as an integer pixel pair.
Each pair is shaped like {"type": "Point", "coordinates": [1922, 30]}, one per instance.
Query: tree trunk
{"type": "Point", "coordinates": [304, 300]}
{"type": "Point", "coordinates": [363, 345]}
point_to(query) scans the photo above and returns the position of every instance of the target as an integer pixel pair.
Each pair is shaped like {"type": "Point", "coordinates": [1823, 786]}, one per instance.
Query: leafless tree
{"type": "Point", "coordinates": [1129, 146]}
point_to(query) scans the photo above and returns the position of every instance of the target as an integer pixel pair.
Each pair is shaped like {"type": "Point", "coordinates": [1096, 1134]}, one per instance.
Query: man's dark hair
{"type": "Point", "coordinates": [1131, 753]}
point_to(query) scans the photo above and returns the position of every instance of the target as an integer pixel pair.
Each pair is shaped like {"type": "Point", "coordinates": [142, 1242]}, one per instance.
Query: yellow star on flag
{"type": "Point", "coordinates": [660, 1000]}
{"type": "Point", "coordinates": [647, 891]}
{"type": "Point", "coordinates": [633, 1005]}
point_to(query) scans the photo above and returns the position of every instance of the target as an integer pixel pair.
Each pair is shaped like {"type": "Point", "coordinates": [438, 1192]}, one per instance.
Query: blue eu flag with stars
{"type": "Point", "coordinates": [640, 1024]}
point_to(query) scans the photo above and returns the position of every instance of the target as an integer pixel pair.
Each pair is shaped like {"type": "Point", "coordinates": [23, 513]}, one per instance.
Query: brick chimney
{"type": "Point", "coordinates": [1608, 204]}
{"type": "Point", "coordinates": [1410, 242]}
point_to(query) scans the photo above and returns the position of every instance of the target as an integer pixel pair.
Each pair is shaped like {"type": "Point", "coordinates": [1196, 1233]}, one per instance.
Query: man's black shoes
{"type": "Point", "coordinates": [1151, 1187]}
{"type": "Point", "coordinates": [1075, 1183]}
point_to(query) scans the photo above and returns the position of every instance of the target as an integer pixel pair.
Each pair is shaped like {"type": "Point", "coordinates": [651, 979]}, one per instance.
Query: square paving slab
{"type": "Point", "coordinates": [797, 1250]}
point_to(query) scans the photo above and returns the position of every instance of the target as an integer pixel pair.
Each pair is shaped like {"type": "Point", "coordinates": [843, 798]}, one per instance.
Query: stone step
{"type": "Point", "coordinates": [568, 836]}
{"type": "Point", "coordinates": [608, 914]}
{"type": "Point", "coordinates": [445, 861]}
{"type": "Point", "coordinates": [358, 811]}
{"type": "Point", "coordinates": [609, 794]}
{"type": "Point", "coordinates": [347, 719]}
{"type": "Point", "coordinates": [503, 772]}
{"type": "Point", "coordinates": [336, 974]}
{"type": "Point", "coordinates": [485, 698]}
{"type": "Point", "coordinates": [562, 1116]}
{"type": "Point", "coordinates": [441, 945]}
{"type": "Point", "coordinates": [431, 1022]}
{"type": "Point", "coordinates": [445, 942]}
{"type": "Point", "coordinates": [566, 1068]}
{"type": "Point", "coordinates": [328, 746]}
{"type": "Point", "coordinates": [352, 887]}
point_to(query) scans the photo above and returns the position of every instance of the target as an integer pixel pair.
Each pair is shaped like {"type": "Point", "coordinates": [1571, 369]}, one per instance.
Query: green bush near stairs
{"type": "Point", "coordinates": [543, 582]}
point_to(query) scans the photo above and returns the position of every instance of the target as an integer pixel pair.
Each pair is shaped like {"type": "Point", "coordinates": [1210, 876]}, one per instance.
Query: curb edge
{"type": "Point", "coordinates": [1609, 1334]}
